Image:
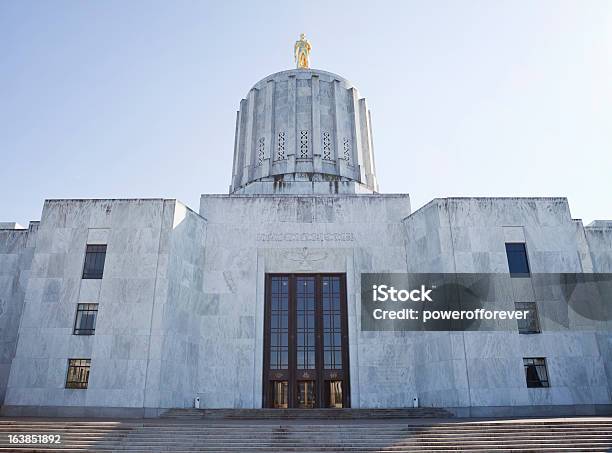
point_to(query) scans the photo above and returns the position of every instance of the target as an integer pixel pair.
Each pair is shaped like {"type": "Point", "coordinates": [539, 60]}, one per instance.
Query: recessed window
{"type": "Point", "coordinates": [332, 324]}
{"type": "Point", "coordinates": [517, 259]}
{"type": "Point", "coordinates": [78, 373]}
{"type": "Point", "coordinates": [279, 326]}
{"type": "Point", "coordinates": [536, 373]}
{"type": "Point", "coordinates": [94, 261]}
{"type": "Point", "coordinates": [85, 321]}
{"type": "Point", "coordinates": [531, 323]}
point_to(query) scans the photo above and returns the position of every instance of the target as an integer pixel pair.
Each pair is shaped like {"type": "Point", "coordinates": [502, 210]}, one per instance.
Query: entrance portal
{"type": "Point", "coordinates": [306, 341]}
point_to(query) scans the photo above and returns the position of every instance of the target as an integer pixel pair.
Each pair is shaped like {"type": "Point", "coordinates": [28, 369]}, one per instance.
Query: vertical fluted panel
{"type": "Point", "coordinates": [248, 138]}
{"type": "Point", "coordinates": [371, 179]}
{"type": "Point", "coordinates": [365, 151]}
{"type": "Point", "coordinates": [316, 125]}
{"type": "Point", "coordinates": [291, 124]}
{"type": "Point", "coordinates": [268, 127]}
{"type": "Point", "coordinates": [235, 162]}
{"type": "Point", "coordinates": [327, 124]}
{"type": "Point", "coordinates": [240, 164]}
{"type": "Point", "coordinates": [304, 121]}
{"type": "Point", "coordinates": [357, 150]}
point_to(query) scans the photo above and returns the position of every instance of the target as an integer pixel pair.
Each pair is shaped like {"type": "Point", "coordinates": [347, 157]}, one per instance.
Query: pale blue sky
{"type": "Point", "coordinates": [108, 99]}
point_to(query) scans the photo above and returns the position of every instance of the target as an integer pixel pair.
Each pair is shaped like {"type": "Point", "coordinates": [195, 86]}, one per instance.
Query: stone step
{"type": "Point", "coordinates": [375, 443]}
{"type": "Point", "coordinates": [339, 431]}
{"type": "Point", "coordinates": [585, 449]}
{"type": "Point", "coordinates": [315, 436]}
{"type": "Point", "coordinates": [348, 414]}
{"type": "Point", "coordinates": [371, 444]}
{"type": "Point", "coordinates": [339, 435]}
{"type": "Point", "coordinates": [578, 447]}
{"type": "Point", "coordinates": [559, 449]}
{"type": "Point", "coordinates": [316, 426]}
{"type": "Point", "coordinates": [356, 444]}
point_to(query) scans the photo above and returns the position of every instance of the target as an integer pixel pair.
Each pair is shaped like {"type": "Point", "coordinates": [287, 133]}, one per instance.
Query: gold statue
{"type": "Point", "coordinates": [302, 52]}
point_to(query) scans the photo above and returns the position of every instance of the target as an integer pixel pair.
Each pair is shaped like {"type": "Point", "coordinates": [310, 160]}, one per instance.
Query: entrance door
{"type": "Point", "coordinates": [306, 341]}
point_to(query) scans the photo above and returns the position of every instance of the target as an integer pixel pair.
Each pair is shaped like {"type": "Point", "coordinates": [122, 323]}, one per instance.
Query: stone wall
{"type": "Point", "coordinates": [249, 236]}
{"type": "Point", "coordinates": [599, 239]}
{"type": "Point", "coordinates": [143, 237]}
{"type": "Point", "coordinates": [119, 349]}
{"type": "Point", "coordinates": [181, 302]}
{"type": "Point", "coordinates": [177, 329]}
{"type": "Point", "coordinates": [16, 251]}
{"type": "Point", "coordinates": [484, 369]}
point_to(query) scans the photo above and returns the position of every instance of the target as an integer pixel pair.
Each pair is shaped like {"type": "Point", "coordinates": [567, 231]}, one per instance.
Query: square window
{"type": "Point", "coordinates": [78, 373]}
{"type": "Point", "coordinates": [536, 373]}
{"type": "Point", "coordinates": [517, 259]}
{"type": "Point", "coordinates": [85, 321]}
{"type": "Point", "coordinates": [94, 261]}
{"type": "Point", "coordinates": [531, 323]}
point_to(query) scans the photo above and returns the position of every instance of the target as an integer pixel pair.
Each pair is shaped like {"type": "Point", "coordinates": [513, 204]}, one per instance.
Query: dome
{"type": "Point", "coordinates": [303, 131]}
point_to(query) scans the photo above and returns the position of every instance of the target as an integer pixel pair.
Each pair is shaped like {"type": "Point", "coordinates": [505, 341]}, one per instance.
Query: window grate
{"type": "Point", "coordinates": [303, 144]}
{"type": "Point", "coordinates": [78, 373]}
{"type": "Point", "coordinates": [326, 146]}
{"type": "Point", "coordinates": [261, 151]}
{"type": "Point", "coordinates": [347, 150]}
{"type": "Point", "coordinates": [280, 152]}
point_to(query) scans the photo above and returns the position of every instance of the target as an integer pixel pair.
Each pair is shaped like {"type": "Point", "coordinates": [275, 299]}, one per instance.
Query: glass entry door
{"type": "Point", "coordinates": [306, 341]}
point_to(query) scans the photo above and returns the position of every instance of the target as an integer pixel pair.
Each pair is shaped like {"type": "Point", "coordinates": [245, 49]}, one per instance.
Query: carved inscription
{"type": "Point", "coordinates": [314, 237]}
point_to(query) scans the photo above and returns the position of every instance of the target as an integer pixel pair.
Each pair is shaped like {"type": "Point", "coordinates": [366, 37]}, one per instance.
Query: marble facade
{"type": "Point", "coordinates": [181, 302]}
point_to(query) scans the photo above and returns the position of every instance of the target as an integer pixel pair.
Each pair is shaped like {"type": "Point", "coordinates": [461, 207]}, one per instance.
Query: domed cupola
{"type": "Point", "coordinates": [303, 131]}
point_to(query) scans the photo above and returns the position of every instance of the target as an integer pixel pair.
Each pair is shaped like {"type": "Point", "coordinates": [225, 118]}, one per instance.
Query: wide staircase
{"type": "Point", "coordinates": [222, 434]}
